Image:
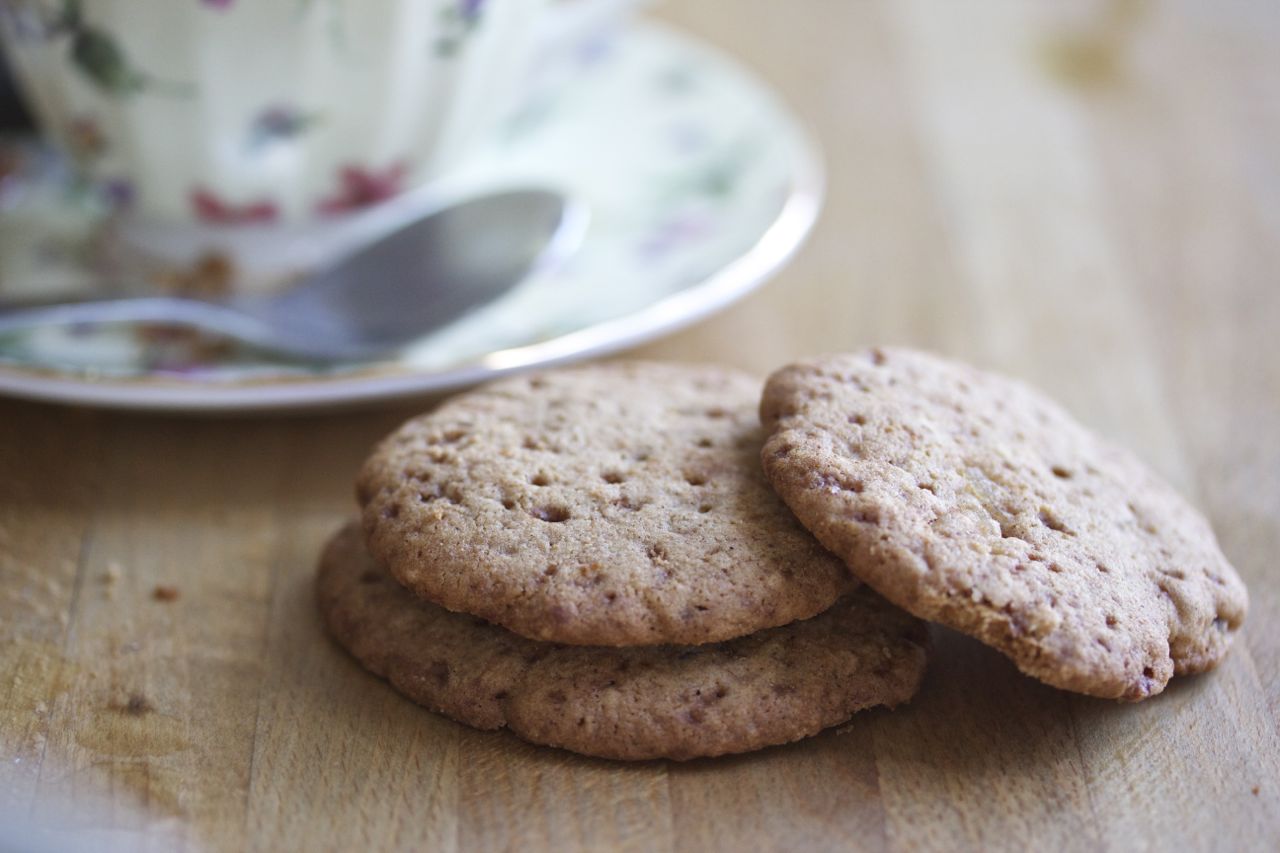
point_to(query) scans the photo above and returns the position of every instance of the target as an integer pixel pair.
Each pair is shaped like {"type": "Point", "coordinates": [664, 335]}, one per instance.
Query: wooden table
{"type": "Point", "coordinates": [1088, 197]}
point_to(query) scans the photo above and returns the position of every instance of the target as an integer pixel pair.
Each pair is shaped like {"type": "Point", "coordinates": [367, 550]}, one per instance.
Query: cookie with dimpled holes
{"type": "Point", "coordinates": [614, 504]}
{"type": "Point", "coordinates": [677, 702]}
{"type": "Point", "coordinates": [972, 500]}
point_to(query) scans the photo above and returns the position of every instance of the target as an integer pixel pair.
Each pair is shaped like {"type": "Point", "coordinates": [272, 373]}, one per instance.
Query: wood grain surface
{"type": "Point", "coordinates": [1083, 195]}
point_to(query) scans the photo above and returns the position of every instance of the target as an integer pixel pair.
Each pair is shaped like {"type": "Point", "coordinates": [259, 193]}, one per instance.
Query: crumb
{"type": "Point", "coordinates": [1255, 790]}
{"type": "Point", "coordinates": [112, 574]}
{"type": "Point", "coordinates": [136, 706]}
{"type": "Point", "coordinates": [165, 593]}
{"type": "Point", "coordinates": [42, 709]}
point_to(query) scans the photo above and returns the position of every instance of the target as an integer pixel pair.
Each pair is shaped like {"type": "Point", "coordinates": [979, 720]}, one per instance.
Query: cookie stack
{"type": "Point", "coordinates": [596, 559]}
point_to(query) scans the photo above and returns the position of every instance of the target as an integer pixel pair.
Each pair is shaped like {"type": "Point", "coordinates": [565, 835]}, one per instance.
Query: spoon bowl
{"type": "Point", "coordinates": [415, 279]}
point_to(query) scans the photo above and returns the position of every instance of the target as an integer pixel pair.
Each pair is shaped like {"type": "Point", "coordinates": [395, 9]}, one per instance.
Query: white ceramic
{"type": "Point", "coordinates": [270, 112]}
{"type": "Point", "coordinates": [699, 182]}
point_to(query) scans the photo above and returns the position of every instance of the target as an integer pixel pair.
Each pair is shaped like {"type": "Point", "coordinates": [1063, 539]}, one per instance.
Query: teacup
{"type": "Point", "coordinates": [196, 113]}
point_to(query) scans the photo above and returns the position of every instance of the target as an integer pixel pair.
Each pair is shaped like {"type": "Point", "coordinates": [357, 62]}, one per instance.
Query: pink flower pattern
{"type": "Point", "coordinates": [360, 187]}
{"type": "Point", "coordinates": [213, 210]}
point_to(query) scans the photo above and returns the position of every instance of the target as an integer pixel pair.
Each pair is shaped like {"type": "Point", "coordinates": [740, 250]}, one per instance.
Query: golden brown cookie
{"type": "Point", "coordinates": [618, 504]}
{"type": "Point", "coordinates": [632, 703]}
{"type": "Point", "coordinates": [972, 500]}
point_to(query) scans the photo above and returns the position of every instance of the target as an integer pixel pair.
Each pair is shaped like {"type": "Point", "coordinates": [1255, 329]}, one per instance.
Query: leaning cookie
{"type": "Point", "coordinates": [616, 504]}
{"type": "Point", "coordinates": [972, 500]}
{"type": "Point", "coordinates": [628, 703]}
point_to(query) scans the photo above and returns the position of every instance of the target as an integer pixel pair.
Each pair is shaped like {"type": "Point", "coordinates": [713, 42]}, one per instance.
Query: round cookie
{"type": "Point", "coordinates": [617, 504]}
{"type": "Point", "coordinates": [631, 703]}
{"type": "Point", "coordinates": [972, 500]}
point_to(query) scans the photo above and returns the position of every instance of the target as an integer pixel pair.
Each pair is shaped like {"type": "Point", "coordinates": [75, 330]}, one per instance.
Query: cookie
{"type": "Point", "coordinates": [618, 504]}
{"type": "Point", "coordinates": [972, 500]}
{"type": "Point", "coordinates": [630, 703]}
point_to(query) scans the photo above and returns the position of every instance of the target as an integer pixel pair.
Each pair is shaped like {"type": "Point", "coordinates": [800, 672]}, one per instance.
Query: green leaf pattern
{"type": "Point", "coordinates": [97, 55]}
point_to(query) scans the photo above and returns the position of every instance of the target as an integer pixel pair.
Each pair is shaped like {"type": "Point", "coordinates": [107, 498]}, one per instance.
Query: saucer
{"type": "Point", "coordinates": [699, 182]}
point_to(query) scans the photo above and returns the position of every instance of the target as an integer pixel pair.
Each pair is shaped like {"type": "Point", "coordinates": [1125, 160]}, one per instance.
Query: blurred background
{"type": "Point", "coordinates": [1082, 194]}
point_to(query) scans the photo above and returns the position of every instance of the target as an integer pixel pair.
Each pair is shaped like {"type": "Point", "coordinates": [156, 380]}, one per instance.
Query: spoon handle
{"type": "Point", "coordinates": [149, 309]}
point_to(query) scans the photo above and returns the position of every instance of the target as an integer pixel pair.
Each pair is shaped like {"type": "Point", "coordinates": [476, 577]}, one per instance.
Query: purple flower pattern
{"type": "Point", "coordinates": [459, 21]}
{"type": "Point", "coordinates": [277, 123]}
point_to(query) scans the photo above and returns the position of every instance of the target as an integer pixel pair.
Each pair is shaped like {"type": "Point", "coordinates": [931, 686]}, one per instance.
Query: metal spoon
{"type": "Point", "coordinates": [417, 278]}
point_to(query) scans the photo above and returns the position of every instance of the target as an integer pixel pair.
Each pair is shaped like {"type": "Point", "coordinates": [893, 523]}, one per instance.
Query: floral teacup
{"type": "Point", "coordinates": [260, 112]}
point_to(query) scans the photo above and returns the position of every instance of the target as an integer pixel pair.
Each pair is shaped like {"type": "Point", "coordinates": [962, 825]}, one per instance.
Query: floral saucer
{"type": "Point", "coordinates": [699, 182]}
